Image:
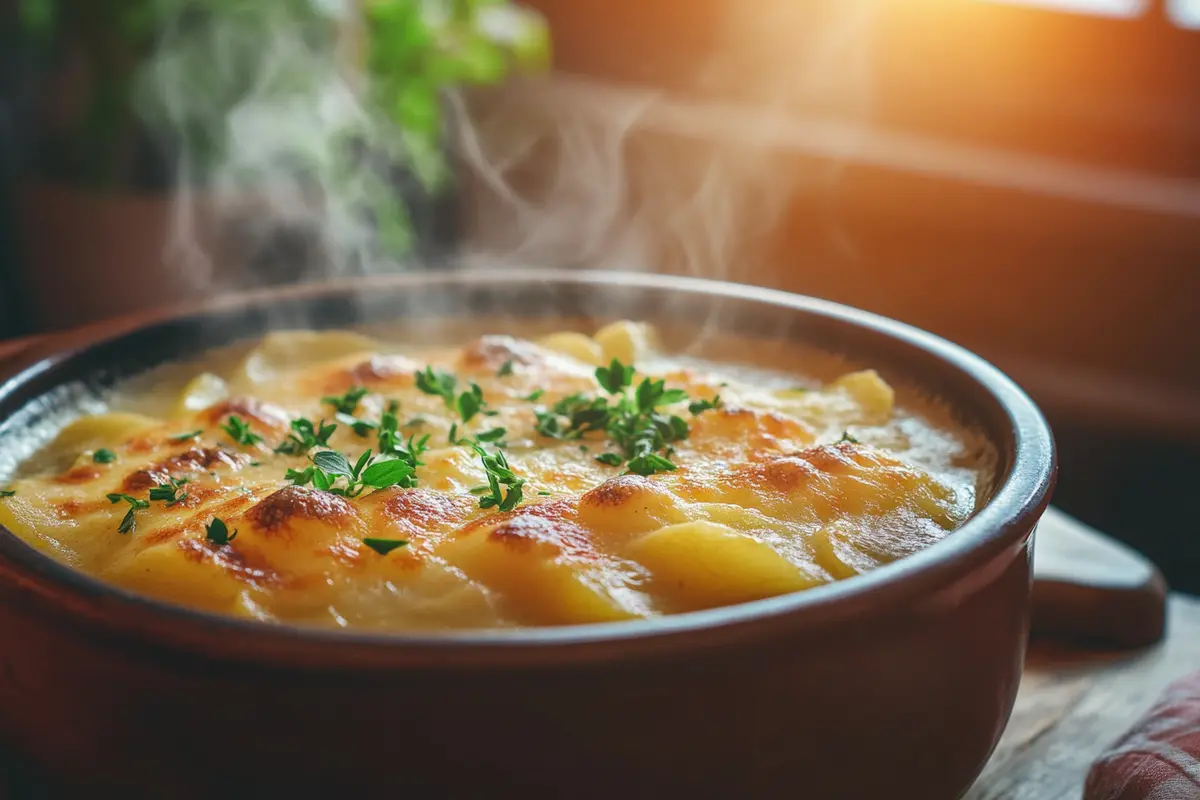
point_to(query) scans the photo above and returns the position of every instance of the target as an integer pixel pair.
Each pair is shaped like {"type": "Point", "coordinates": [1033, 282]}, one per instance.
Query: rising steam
{"type": "Point", "coordinates": [552, 172]}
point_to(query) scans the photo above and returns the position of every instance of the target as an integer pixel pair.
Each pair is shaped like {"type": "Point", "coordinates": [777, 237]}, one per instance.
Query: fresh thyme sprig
{"type": "Point", "coordinates": [444, 385]}
{"type": "Point", "coordinates": [217, 532]}
{"type": "Point", "coordinates": [346, 403]}
{"type": "Point", "coordinates": [305, 436]}
{"type": "Point", "coordinates": [328, 467]}
{"type": "Point", "coordinates": [239, 430]}
{"type": "Point", "coordinates": [384, 546]}
{"type": "Point", "coordinates": [128, 522]}
{"type": "Point", "coordinates": [169, 491]}
{"type": "Point", "coordinates": [631, 419]}
{"type": "Point", "coordinates": [499, 475]}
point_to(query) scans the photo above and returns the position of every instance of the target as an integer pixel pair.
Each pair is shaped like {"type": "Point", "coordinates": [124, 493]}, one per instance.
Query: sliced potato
{"type": "Point", "coordinates": [537, 587]}
{"type": "Point", "coordinates": [203, 391]}
{"type": "Point", "coordinates": [698, 565]}
{"type": "Point", "coordinates": [576, 345]}
{"type": "Point", "coordinates": [285, 351]}
{"type": "Point", "coordinates": [99, 430]}
{"type": "Point", "coordinates": [630, 342]}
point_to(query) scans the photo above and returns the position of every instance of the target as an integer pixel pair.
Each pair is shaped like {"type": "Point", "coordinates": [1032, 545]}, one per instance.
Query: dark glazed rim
{"type": "Point", "coordinates": [1002, 524]}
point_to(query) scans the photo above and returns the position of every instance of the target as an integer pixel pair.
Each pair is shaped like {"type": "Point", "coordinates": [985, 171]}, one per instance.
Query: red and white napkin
{"type": "Point", "coordinates": [1159, 757]}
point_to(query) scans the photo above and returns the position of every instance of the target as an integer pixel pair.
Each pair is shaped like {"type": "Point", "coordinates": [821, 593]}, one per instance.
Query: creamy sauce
{"type": "Point", "coordinates": [808, 470]}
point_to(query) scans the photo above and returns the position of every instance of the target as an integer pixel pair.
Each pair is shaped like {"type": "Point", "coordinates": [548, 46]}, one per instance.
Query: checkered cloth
{"type": "Point", "coordinates": [1159, 757]}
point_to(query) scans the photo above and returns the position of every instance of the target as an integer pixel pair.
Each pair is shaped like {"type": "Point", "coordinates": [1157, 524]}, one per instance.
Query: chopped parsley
{"type": "Point", "coordinates": [330, 466]}
{"type": "Point", "coordinates": [505, 370]}
{"type": "Point", "coordinates": [346, 403]}
{"type": "Point", "coordinates": [440, 384]}
{"type": "Point", "coordinates": [128, 522]}
{"type": "Point", "coordinates": [362, 428]}
{"type": "Point", "coordinates": [8, 492]}
{"type": "Point", "coordinates": [499, 474]}
{"type": "Point", "coordinates": [544, 494]}
{"type": "Point", "coordinates": [384, 546]}
{"type": "Point", "coordinates": [534, 396]}
{"type": "Point", "coordinates": [700, 406]}
{"type": "Point", "coordinates": [169, 491]}
{"type": "Point", "coordinates": [615, 377]}
{"type": "Point", "coordinates": [104, 456]}
{"type": "Point", "coordinates": [305, 436]}
{"type": "Point", "coordinates": [470, 402]}
{"type": "Point", "coordinates": [443, 385]}
{"type": "Point", "coordinates": [846, 437]}
{"type": "Point", "coordinates": [217, 532]}
{"type": "Point", "coordinates": [631, 420]}
{"type": "Point", "coordinates": [184, 437]}
{"type": "Point", "coordinates": [495, 435]}
{"type": "Point", "coordinates": [392, 444]}
{"type": "Point", "coordinates": [239, 430]}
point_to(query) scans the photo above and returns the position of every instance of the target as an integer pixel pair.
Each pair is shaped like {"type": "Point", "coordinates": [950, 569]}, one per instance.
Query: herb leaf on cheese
{"type": "Point", "coordinates": [384, 546]}
{"type": "Point", "coordinates": [217, 532]}
{"type": "Point", "coordinates": [346, 403]}
{"type": "Point", "coordinates": [239, 430]}
{"type": "Point", "coordinates": [128, 522]}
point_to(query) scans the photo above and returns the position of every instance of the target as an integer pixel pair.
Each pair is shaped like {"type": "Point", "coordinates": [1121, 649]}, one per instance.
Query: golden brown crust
{"type": "Point", "coordinates": [493, 352]}
{"type": "Point", "coordinates": [524, 532]}
{"type": "Point", "coordinates": [276, 515]}
{"type": "Point", "coordinates": [263, 417]}
{"type": "Point", "coordinates": [195, 459]}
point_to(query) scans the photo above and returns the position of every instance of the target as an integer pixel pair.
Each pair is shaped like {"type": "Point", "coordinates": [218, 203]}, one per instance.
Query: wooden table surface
{"type": "Point", "coordinates": [1073, 703]}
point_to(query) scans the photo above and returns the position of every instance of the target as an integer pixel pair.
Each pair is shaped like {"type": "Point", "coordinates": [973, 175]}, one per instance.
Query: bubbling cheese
{"type": "Point", "coordinates": [767, 496]}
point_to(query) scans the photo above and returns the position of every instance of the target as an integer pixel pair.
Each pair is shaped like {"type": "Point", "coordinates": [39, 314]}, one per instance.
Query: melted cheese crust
{"type": "Point", "coordinates": [766, 501]}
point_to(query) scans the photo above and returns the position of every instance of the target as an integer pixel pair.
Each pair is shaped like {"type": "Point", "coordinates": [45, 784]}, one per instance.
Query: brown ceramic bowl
{"type": "Point", "coordinates": [893, 684]}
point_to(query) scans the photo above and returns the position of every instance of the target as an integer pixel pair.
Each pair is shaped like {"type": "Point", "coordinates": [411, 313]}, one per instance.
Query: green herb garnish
{"type": "Point", "coordinates": [104, 456]}
{"type": "Point", "coordinates": [128, 523]}
{"type": "Point", "coordinates": [183, 437]}
{"type": "Point", "coordinates": [543, 494]}
{"type": "Point", "coordinates": [384, 546]}
{"type": "Point", "coordinates": [330, 466]}
{"type": "Point", "coordinates": [8, 492]}
{"type": "Point", "coordinates": [615, 377]}
{"type": "Point", "coordinates": [846, 437]}
{"type": "Point", "coordinates": [239, 430]}
{"type": "Point", "coordinates": [700, 406]}
{"type": "Point", "coordinates": [494, 435]}
{"type": "Point", "coordinates": [443, 384]}
{"type": "Point", "coordinates": [499, 474]}
{"type": "Point", "coordinates": [305, 436]}
{"type": "Point", "coordinates": [534, 396]}
{"type": "Point", "coordinates": [631, 420]}
{"type": "Point", "coordinates": [217, 532]}
{"type": "Point", "coordinates": [470, 402]}
{"type": "Point", "coordinates": [505, 370]}
{"type": "Point", "coordinates": [440, 384]}
{"type": "Point", "coordinates": [392, 444]}
{"type": "Point", "coordinates": [169, 491]}
{"type": "Point", "coordinates": [362, 428]}
{"type": "Point", "coordinates": [346, 403]}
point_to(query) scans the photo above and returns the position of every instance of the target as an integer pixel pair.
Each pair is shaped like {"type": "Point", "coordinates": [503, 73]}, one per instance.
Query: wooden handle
{"type": "Point", "coordinates": [1092, 589]}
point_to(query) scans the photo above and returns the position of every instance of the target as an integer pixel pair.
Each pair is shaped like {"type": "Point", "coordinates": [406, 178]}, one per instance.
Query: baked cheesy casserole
{"type": "Point", "coordinates": [334, 479]}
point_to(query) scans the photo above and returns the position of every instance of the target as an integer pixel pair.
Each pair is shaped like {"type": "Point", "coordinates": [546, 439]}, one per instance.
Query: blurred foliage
{"type": "Point", "coordinates": [166, 76]}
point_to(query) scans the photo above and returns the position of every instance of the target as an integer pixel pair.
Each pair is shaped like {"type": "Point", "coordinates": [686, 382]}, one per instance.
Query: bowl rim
{"type": "Point", "coordinates": [1003, 523]}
